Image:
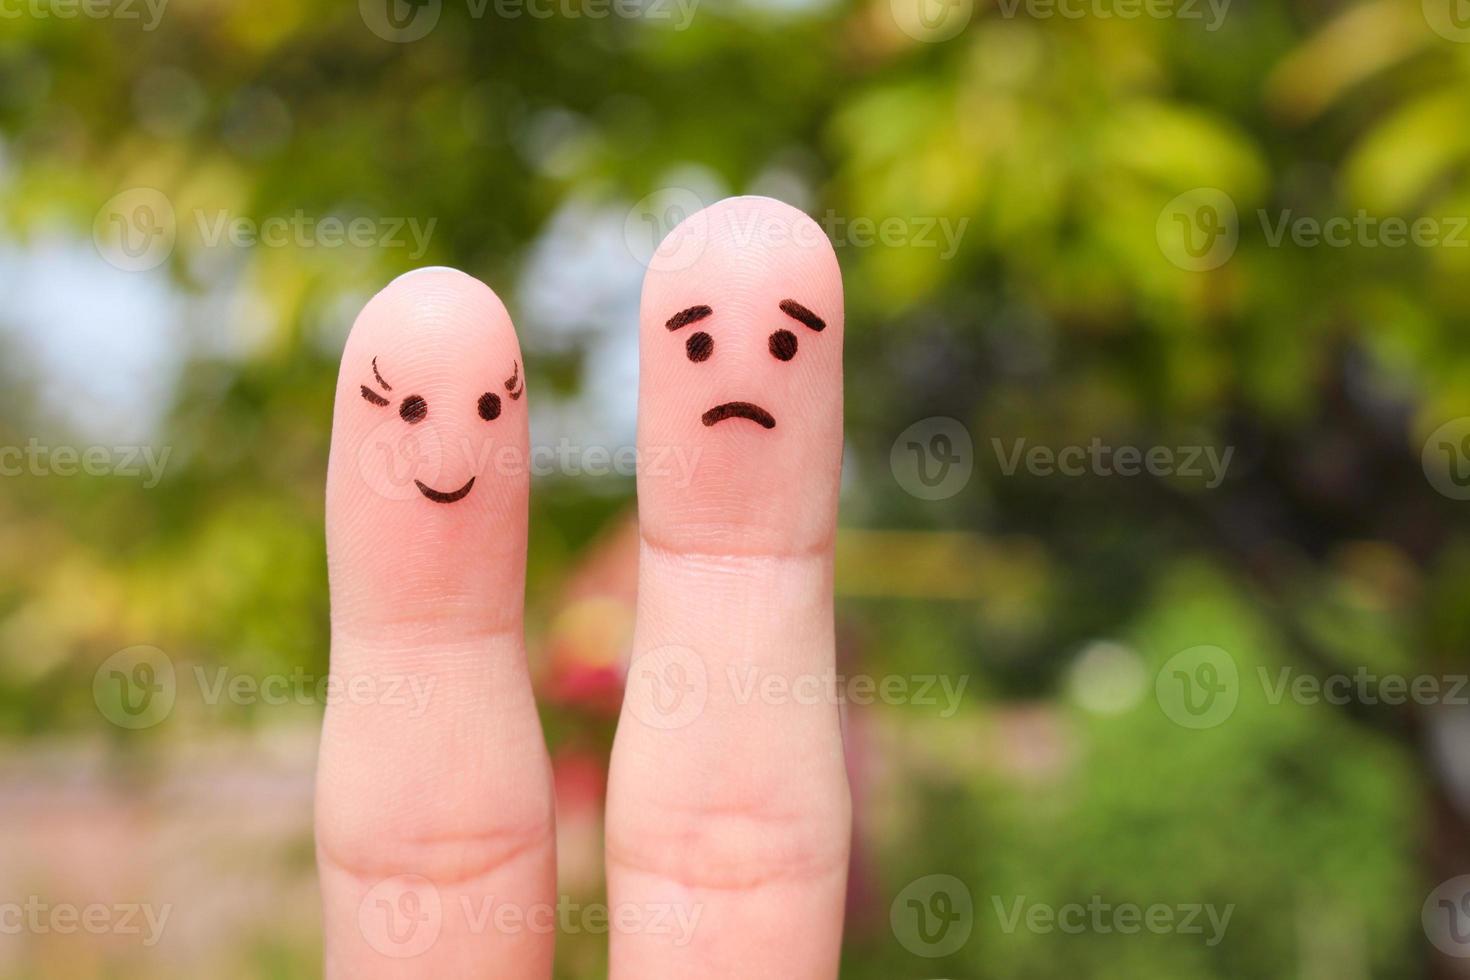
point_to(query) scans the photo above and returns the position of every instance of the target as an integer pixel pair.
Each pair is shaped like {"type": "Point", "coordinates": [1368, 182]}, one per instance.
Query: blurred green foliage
{"type": "Point", "coordinates": [1063, 315]}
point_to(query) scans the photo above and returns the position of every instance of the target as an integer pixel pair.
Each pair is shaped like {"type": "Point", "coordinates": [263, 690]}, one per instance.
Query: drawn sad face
{"type": "Point", "coordinates": [741, 373]}
{"type": "Point", "coordinates": [782, 344]}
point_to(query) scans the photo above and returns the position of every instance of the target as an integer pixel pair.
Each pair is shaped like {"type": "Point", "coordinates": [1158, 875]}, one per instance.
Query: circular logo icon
{"type": "Point", "coordinates": [1450, 19]}
{"type": "Point", "coordinates": [135, 688]}
{"type": "Point", "coordinates": [135, 230]}
{"type": "Point", "coordinates": [1446, 917]}
{"type": "Point", "coordinates": [401, 916]}
{"type": "Point", "coordinates": [1199, 229]}
{"type": "Point", "coordinates": [1198, 687]}
{"type": "Point", "coordinates": [1446, 458]}
{"type": "Point", "coordinates": [648, 229]}
{"type": "Point", "coordinates": [933, 916]}
{"type": "Point", "coordinates": [933, 458]}
{"type": "Point", "coordinates": [394, 457]}
{"type": "Point", "coordinates": [400, 21]}
{"type": "Point", "coordinates": [667, 687]}
{"type": "Point", "coordinates": [932, 20]}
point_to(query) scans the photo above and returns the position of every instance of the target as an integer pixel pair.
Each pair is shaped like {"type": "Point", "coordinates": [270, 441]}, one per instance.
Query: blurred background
{"type": "Point", "coordinates": [1158, 448]}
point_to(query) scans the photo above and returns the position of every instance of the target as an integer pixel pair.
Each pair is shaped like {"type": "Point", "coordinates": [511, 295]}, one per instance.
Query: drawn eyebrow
{"type": "Point", "coordinates": [685, 317]}
{"type": "Point", "coordinates": [373, 396]}
{"type": "Point", "coordinates": [386, 385]}
{"type": "Point", "coordinates": [796, 311]}
{"type": "Point", "coordinates": [510, 383]}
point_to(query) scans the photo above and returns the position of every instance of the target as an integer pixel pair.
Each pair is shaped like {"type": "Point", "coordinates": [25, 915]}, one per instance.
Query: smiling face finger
{"type": "Point", "coordinates": [741, 359]}
{"type": "Point", "coordinates": [413, 409]}
{"type": "Point", "coordinates": [442, 801]}
{"type": "Point", "coordinates": [430, 437]}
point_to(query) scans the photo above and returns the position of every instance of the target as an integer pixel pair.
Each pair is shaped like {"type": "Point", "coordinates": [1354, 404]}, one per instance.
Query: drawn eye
{"type": "Point", "coordinates": [372, 397]}
{"type": "Point", "coordinates": [414, 409]}
{"type": "Point", "coordinates": [783, 345]}
{"type": "Point", "coordinates": [489, 406]}
{"type": "Point", "coordinates": [699, 346]}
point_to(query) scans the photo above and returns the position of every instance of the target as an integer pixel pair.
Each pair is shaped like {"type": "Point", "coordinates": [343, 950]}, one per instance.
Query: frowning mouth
{"type": "Point", "coordinates": [439, 496]}
{"type": "Point", "coordinates": [740, 410]}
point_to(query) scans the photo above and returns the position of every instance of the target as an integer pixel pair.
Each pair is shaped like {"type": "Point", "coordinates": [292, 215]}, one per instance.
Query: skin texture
{"type": "Point", "coordinates": [436, 807]}
{"type": "Point", "coordinates": [722, 802]}
{"type": "Point", "coordinates": [728, 818]}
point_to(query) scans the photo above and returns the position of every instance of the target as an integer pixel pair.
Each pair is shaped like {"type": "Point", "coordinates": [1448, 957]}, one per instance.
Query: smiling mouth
{"type": "Point", "coordinates": [439, 496]}
{"type": "Point", "coordinates": [740, 410]}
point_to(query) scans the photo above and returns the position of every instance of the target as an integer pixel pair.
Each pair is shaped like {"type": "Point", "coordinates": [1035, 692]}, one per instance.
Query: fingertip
{"type": "Point", "coordinates": [437, 786]}
{"type": "Point", "coordinates": [428, 270]}
{"type": "Point", "coordinates": [741, 355]}
{"type": "Point", "coordinates": [423, 302]}
{"type": "Point", "coordinates": [427, 484]}
{"type": "Point", "coordinates": [748, 241]}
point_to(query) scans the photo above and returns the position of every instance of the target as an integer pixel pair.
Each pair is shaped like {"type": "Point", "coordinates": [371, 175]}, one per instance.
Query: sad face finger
{"type": "Point", "coordinates": [741, 355]}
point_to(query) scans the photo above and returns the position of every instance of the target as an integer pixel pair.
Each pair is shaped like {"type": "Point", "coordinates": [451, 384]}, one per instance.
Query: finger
{"type": "Point", "coordinates": [729, 806]}
{"type": "Point", "coordinates": [434, 803]}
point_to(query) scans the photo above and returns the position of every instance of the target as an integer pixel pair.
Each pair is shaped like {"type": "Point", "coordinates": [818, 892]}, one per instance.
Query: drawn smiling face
{"type": "Point", "coordinates": [414, 409]}
{"type": "Point", "coordinates": [430, 442]}
{"type": "Point", "coordinates": [740, 364]}
{"type": "Point", "coordinates": [430, 402]}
